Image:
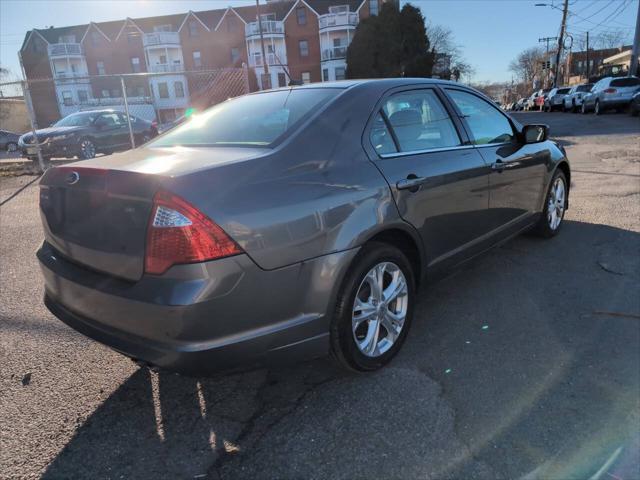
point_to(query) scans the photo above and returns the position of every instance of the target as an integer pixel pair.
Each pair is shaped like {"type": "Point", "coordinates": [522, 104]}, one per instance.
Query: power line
{"type": "Point", "coordinates": [593, 15]}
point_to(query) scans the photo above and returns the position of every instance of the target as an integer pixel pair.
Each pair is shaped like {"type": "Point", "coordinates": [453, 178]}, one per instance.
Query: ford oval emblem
{"type": "Point", "coordinates": [73, 178]}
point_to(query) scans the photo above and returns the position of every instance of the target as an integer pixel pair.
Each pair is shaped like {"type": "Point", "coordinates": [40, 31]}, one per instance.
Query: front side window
{"type": "Point", "coordinates": [253, 120]}
{"type": "Point", "coordinates": [163, 90]}
{"type": "Point", "coordinates": [420, 121]}
{"type": "Point", "coordinates": [304, 48]}
{"type": "Point", "coordinates": [487, 124]}
{"type": "Point", "coordinates": [179, 88]}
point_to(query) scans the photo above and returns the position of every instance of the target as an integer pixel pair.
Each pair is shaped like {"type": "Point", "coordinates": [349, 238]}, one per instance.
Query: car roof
{"type": "Point", "coordinates": [389, 82]}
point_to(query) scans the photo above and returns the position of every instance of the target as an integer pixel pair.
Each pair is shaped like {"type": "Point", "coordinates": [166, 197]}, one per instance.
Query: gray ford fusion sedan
{"type": "Point", "coordinates": [292, 223]}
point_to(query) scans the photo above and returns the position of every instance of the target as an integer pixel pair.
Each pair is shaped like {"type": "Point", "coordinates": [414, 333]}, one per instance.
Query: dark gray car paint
{"type": "Point", "coordinates": [306, 205]}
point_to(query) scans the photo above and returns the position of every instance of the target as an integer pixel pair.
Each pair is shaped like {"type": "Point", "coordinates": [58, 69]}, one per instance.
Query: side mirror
{"type": "Point", "coordinates": [535, 133]}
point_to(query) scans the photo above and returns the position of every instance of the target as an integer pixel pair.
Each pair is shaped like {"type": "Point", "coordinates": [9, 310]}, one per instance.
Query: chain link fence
{"type": "Point", "coordinates": [162, 98]}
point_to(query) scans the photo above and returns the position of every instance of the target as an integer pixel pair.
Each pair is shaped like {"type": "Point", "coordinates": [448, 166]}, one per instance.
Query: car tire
{"type": "Point", "coordinates": [355, 344]}
{"type": "Point", "coordinates": [87, 149]}
{"type": "Point", "coordinates": [583, 109]}
{"type": "Point", "coordinates": [597, 109]}
{"type": "Point", "coordinates": [574, 108]}
{"type": "Point", "coordinates": [552, 217]}
{"type": "Point", "coordinates": [12, 147]}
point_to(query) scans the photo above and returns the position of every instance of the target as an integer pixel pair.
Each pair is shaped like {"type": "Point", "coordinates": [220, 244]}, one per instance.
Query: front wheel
{"type": "Point", "coordinates": [374, 308]}
{"type": "Point", "coordinates": [87, 149]}
{"type": "Point", "coordinates": [554, 207]}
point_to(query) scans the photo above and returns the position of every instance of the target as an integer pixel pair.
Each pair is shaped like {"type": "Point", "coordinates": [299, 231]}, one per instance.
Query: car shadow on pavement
{"type": "Point", "coordinates": [521, 360]}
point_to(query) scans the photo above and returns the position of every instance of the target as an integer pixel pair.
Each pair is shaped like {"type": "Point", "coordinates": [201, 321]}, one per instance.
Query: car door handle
{"type": "Point", "coordinates": [412, 182]}
{"type": "Point", "coordinates": [499, 165]}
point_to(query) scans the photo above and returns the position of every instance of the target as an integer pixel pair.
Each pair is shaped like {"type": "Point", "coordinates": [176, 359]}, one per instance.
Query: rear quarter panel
{"type": "Point", "coordinates": [315, 194]}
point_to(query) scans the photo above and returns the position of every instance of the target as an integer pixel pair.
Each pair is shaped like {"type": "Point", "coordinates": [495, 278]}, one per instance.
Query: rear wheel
{"type": "Point", "coordinates": [374, 308]}
{"type": "Point", "coordinates": [583, 108]}
{"type": "Point", "coordinates": [597, 109]}
{"type": "Point", "coordinates": [554, 207]}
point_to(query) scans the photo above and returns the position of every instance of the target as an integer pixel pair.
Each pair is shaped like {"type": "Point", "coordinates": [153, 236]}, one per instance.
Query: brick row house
{"type": "Point", "coordinates": [304, 40]}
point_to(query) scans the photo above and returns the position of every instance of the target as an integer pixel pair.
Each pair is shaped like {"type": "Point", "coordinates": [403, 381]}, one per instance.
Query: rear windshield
{"type": "Point", "coordinates": [564, 90]}
{"type": "Point", "coordinates": [625, 82]}
{"type": "Point", "coordinates": [252, 120]}
{"type": "Point", "coordinates": [585, 88]}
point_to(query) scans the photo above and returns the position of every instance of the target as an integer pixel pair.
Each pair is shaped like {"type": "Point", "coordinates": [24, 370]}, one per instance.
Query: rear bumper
{"type": "Point", "coordinates": [615, 102]}
{"type": "Point", "coordinates": [201, 318]}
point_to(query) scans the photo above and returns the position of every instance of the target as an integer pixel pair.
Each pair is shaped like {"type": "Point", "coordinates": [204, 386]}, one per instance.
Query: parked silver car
{"type": "Point", "coordinates": [610, 93]}
{"type": "Point", "coordinates": [573, 100]}
{"type": "Point", "coordinates": [554, 99]}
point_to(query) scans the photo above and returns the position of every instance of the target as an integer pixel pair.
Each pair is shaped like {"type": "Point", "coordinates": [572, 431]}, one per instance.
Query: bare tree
{"type": "Point", "coordinates": [611, 39]}
{"type": "Point", "coordinates": [441, 41]}
{"type": "Point", "coordinates": [528, 64]}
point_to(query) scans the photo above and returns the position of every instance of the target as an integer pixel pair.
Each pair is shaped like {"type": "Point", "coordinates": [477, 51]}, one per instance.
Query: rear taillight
{"type": "Point", "coordinates": [179, 233]}
{"type": "Point", "coordinates": [610, 90]}
{"type": "Point", "coordinates": [154, 124]}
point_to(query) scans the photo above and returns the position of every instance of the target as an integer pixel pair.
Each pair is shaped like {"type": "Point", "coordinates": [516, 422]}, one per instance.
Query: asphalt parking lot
{"type": "Point", "coordinates": [523, 364]}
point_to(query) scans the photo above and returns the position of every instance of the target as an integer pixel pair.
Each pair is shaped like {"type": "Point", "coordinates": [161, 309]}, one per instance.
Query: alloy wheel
{"type": "Point", "coordinates": [88, 149]}
{"type": "Point", "coordinates": [380, 309]}
{"type": "Point", "coordinates": [556, 203]}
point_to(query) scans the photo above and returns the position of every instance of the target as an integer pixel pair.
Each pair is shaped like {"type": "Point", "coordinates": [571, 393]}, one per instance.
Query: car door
{"type": "Point", "coordinates": [439, 182]}
{"type": "Point", "coordinates": [517, 169]}
{"type": "Point", "coordinates": [110, 130]}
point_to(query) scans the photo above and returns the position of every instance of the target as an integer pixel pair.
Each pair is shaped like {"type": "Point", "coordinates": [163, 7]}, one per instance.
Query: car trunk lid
{"type": "Point", "coordinates": [97, 217]}
{"type": "Point", "coordinates": [96, 212]}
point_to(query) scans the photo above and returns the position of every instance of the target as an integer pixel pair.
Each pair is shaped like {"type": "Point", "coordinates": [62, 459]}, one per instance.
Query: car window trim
{"type": "Point", "coordinates": [462, 134]}
{"type": "Point", "coordinates": [514, 130]}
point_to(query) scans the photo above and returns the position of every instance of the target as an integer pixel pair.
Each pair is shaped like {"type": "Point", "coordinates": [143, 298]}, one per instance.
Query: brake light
{"type": "Point", "coordinates": [179, 233]}
{"type": "Point", "coordinates": [154, 124]}
{"type": "Point", "coordinates": [610, 90]}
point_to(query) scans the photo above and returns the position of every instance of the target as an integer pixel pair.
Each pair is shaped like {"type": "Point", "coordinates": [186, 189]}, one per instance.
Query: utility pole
{"type": "Point", "coordinates": [560, 40]}
{"type": "Point", "coordinates": [546, 58]}
{"type": "Point", "coordinates": [588, 67]}
{"type": "Point", "coordinates": [266, 78]}
{"type": "Point", "coordinates": [633, 66]}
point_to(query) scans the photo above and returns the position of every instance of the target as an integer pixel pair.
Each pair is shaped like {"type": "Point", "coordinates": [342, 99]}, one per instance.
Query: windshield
{"type": "Point", "coordinates": [253, 120]}
{"type": "Point", "coordinates": [76, 120]}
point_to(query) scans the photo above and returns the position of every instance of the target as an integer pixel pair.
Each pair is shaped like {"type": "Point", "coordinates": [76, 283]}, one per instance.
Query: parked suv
{"type": "Point", "coordinates": [573, 100]}
{"type": "Point", "coordinates": [554, 99]}
{"type": "Point", "coordinates": [84, 134]}
{"type": "Point", "coordinates": [610, 92]}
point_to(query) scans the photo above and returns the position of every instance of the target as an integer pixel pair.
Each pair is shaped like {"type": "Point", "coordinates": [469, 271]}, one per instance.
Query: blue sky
{"type": "Point", "coordinates": [490, 32]}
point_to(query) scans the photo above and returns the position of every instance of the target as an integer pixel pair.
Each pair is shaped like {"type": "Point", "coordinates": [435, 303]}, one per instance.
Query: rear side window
{"type": "Point", "coordinates": [381, 138]}
{"type": "Point", "coordinates": [487, 124]}
{"type": "Point", "coordinates": [419, 122]}
{"type": "Point", "coordinates": [625, 82]}
{"type": "Point", "coordinates": [253, 120]}
{"type": "Point", "coordinates": [585, 88]}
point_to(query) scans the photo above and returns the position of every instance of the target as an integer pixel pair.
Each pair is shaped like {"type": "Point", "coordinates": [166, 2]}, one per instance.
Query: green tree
{"type": "Point", "coordinates": [391, 44]}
